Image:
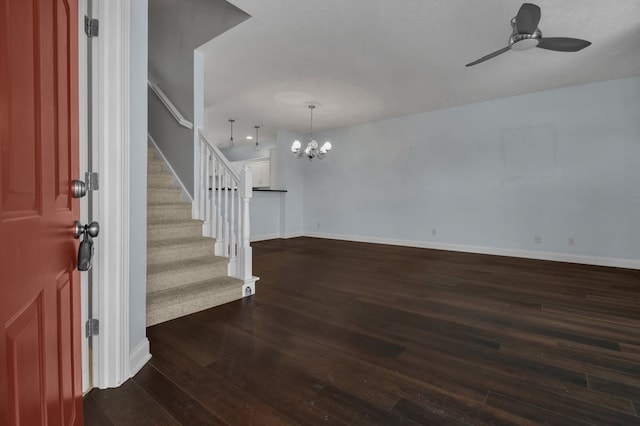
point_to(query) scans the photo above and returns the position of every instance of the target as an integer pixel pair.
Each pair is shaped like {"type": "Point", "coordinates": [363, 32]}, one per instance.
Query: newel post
{"type": "Point", "coordinates": [245, 257]}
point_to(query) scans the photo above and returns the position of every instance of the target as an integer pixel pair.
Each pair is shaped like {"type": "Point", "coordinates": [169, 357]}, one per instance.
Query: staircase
{"type": "Point", "coordinates": [183, 274]}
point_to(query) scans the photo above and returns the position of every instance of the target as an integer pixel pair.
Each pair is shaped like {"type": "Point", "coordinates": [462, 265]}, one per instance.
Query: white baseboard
{"type": "Point", "coordinates": [293, 235]}
{"type": "Point", "coordinates": [186, 197]}
{"type": "Point", "coordinates": [265, 237]}
{"type": "Point", "coordinates": [139, 357]}
{"type": "Point", "coordinates": [276, 236]}
{"type": "Point", "coordinates": [537, 255]}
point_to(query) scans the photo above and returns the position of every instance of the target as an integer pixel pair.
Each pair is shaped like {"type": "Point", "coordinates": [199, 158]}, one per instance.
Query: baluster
{"type": "Point", "coordinates": [203, 183]}
{"type": "Point", "coordinates": [207, 217]}
{"type": "Point", "coordinates": [239, 219]}
{"type": "Point", "coordinates": [226, 213]}
{"type": "Point", "coordinates": [232, 251]}
{"type": "Point", "coordinates": [219, 206]}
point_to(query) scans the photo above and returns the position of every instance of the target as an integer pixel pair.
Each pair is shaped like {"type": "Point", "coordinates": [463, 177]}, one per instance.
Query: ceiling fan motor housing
{"type": "Point", "coordinates": [523, 41]}
{"type": "Point", "coordinates": [519, 41]}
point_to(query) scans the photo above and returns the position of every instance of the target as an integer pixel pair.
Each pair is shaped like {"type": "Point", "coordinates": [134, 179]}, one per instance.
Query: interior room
{"type": "Point", "coordinates": [464, 250]}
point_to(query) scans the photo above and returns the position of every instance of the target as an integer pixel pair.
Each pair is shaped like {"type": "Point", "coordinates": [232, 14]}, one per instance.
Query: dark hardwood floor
{"type": "Point", "coordinates": [361, 334]}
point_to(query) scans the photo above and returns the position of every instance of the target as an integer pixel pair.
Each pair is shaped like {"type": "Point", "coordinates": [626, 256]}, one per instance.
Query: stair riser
{"type": "Point", "coordinates": [151, 154]}
{"type": "Point", "coordinates": [163, 195]}
{"type": "Point", "coordinates": [154, 166]}
{"type": "Point", "coordinates": [158, 212]}
{"type": "Point", "coordinates": [158, 314]}
{"type": "Point", "coordinates": [182, 252]}
{"type": "Point", "coordinates": [181, 277]}
{"type": "Point", "coordinates": [159, 180]}
{"type": "Point", "coordinates": [155, 233]}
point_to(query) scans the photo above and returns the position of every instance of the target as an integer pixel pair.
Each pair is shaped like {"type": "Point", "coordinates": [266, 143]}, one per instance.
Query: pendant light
{"type": "Point", "coordinates": [231, 121]}
{"type": "Point", "coordinates": [257, 147]}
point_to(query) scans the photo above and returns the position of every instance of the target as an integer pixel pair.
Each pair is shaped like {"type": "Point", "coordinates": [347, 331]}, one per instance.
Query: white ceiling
{"type": "Point", "coordinates": [365, 60]}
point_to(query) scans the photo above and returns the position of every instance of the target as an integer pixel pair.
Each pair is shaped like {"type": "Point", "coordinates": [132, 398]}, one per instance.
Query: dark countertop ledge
{"type": "Point", "coordinates": [261, 189]}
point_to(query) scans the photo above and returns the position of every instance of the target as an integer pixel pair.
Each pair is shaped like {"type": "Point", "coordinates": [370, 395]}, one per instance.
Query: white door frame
{"type": "Point", "coordinates": [113, 148]}
{"type": "Point", "coordinates": [111, 152]}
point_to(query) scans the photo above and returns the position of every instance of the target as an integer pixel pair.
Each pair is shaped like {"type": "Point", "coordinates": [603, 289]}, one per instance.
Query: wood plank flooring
{"type": "Point", "coordinates": [361, 334]}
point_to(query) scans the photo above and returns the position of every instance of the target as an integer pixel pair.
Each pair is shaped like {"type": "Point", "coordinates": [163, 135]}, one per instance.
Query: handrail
{"type": "Point", "coordinates": [169, 105]}
{"type": "Point", "coordinates": [223, 198]}
{"type": "Point", "coordinates": [219, 155]}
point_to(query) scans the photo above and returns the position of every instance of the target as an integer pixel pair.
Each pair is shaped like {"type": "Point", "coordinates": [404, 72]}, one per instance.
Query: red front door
{"type": "Point", "coordinates": [40, 331]}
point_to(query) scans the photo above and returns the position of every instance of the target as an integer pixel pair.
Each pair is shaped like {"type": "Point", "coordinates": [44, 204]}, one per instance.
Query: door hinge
{"type": "Point", "coordinates": [90, 26]}
{"type": "Point", "coordinates": [91, 180]}
{"type": "Point", "coordinates": [92, 327]}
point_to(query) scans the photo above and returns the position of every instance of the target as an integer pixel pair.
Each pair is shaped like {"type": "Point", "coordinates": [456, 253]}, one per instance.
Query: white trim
{"type": "Point", "coordinates": [265, 237]}
{"type": "Point", "coordinates": [139, 357]}
{"type": "Point", "coordinates": [169, 105]}
{"type": "Point", "coordinates": [293, 235]}
{"type": "Point", "coordinates": [111, 145]}
{"type": "Point", "coordinates": [185, 194]}
{"type": "Point", "coordinates": [537, 255]}
{"type": "Point", "coordinates": [249, 287]}
{"type": "Point", "coordinates": [198, 119]}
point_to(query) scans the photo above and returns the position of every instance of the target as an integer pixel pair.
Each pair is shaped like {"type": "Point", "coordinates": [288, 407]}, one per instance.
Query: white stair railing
{"type": "Point", "coordinates": [224, 197]}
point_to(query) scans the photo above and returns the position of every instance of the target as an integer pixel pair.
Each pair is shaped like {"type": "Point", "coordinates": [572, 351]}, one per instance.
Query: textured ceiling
{"type": "Point", "coordinates": [365, 60]}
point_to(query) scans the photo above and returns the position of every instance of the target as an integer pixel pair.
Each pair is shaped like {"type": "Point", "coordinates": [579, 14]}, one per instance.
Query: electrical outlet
{"type": "Point", "coordinates": [318, 225]}
{"type": "Point", "coordinates": [572, 242]}
{"type": "Point", "coordinates": [538, 239]}
{"type": "Point", "coordinates": [433, 232]}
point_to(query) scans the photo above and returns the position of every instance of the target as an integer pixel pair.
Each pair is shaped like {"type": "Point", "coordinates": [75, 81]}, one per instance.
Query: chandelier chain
{"type": "Point", "coordinates": [311, 107]}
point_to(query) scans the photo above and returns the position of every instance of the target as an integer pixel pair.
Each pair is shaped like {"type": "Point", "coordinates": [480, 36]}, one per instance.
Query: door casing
{"type": "Point", "coordinates": [113, 361]}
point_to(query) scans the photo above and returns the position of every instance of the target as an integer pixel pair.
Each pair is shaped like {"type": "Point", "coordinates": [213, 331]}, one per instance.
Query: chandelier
{"type": "Point", "coordinates": [311, 151]}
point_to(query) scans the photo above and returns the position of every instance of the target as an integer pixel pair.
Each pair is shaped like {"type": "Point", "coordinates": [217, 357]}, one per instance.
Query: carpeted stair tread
{"type": "Point", "coordinates": [162, 228]}
{"type": "Point", "coordinates": [179, 242]}
{"type": "Point", "coordinates": [164, 189]}
{"type": "Point", "coordinates": [173, 222]}
{"type": "Point", "coordinates": [159, 180]}
{"type": "Point", "coordinates": [155, 195]}
{"type": "Point", "coordinates": [158, 212]}
{"type": "Point", "coordinates": [159, 205]}
{"type": "Point", "coordinates": [180, 273]}
{"type": "Point", "coordinates": [185, 264]}
{"type": "Point", "coordinates": [176, 302]}
{"type": "Point", "coordinates": [166, 250]}
{"type": "Point", "coordinates": [154, 166]}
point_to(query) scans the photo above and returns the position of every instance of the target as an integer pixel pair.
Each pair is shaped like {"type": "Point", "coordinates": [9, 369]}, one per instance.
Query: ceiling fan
{"type": "Point", "coordinates": [526, 35]}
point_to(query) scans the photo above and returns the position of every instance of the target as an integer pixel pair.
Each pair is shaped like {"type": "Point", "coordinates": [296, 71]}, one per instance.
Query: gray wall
{"type": "Point", "coordinates": [138, 182]}
{"type": "Point", "coordinates": [176, 28]}
{"type": "Point", "coordinates": [289, 176]}
{"type": "Point", "coordinates": [559, 164]}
